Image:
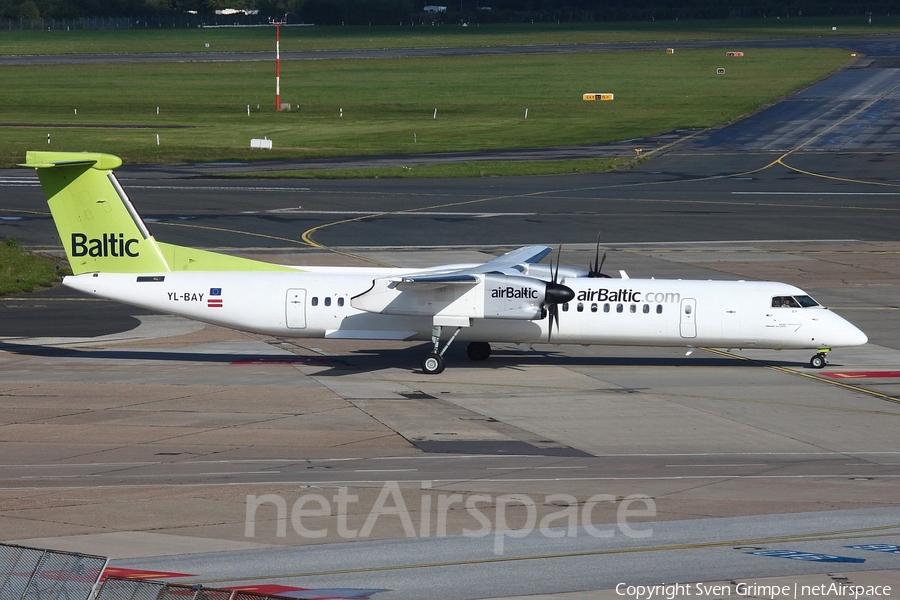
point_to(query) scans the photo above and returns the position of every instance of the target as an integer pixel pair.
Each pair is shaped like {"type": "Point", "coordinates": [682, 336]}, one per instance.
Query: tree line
{"type": "Point", "coordinates": [393, 12]}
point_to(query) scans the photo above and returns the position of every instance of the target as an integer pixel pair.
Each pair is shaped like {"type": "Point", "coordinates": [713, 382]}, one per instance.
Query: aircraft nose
{"type": "Point", "coordinates": [857, 337]}
{"type": "Point", "coordinates": [847, 334]}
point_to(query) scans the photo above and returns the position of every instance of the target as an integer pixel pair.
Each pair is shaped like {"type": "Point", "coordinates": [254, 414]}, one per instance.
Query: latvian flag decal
{"type": "Point", "coordinates": [215, 298]}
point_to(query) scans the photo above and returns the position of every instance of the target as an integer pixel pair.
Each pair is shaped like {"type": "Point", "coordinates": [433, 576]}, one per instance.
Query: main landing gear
{"type": "Point", "coordinates": [478, 351]}
{"type": "Point", "coordinates": [434, 363]}
{"type": "Point", "coordinates": [820, 359]}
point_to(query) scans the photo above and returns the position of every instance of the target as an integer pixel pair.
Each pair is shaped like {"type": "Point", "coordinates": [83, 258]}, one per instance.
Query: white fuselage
{"type": "Point", "coordinates": [318, 302]}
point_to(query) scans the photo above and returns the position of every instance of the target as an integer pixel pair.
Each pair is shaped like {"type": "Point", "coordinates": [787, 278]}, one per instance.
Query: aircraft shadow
{"type": "Point", "coordinates": [377, 359]}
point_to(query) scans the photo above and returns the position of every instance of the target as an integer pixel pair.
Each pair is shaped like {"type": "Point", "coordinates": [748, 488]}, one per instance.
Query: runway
{"type": "Point", "coordinates": [146, 443]}
{"type": "Point", "coordinates": [872, 45]}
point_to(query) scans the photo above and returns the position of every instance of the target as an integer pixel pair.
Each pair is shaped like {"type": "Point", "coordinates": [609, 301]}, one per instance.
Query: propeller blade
{"type": "Point", "coordinates": [554, 295]}
{"type": "Point", "coordinates": [556, 269]}
{"type": "Point", "coordinates": [554, 317]}
{"type": "Point", "coordinates": [596, 269]}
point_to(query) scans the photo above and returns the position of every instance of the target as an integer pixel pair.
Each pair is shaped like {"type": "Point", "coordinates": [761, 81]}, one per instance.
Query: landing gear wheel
{"type": "Point", "coordinates": [433, 363]}
{"type": "Point", "coordinates": [478, 351]}
{"type": "Point", "coordinates": [818, 361]}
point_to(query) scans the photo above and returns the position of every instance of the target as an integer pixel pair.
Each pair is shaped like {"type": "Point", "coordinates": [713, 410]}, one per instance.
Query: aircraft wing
{"type": "Point", "coordinates": [495, 289]}
{"type": "Point", "coordinates": [508, 264]}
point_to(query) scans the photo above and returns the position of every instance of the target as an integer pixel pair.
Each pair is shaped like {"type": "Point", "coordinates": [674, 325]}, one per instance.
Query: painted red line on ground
{"type": "Point", "coordinates": [862, 374]}
{"type": "Point", "coordinates": [141, 574]}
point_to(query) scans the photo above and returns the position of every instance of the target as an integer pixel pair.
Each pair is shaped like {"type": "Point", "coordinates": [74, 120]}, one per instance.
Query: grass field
{"type": "Point", "coordinates": [387, 105]}
{"type": "Point", "coordinates": [22, 271]}
{"type": "Point", "coordinates": [325, 38]}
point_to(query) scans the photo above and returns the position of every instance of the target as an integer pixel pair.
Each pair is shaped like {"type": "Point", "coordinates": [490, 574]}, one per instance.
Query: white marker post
{"type": "Point", "coordinates": [435, 114]}
{"type": "Point", "coordinates": [157, 139]}
{"type": "Point", "coordinates": [526, 114]}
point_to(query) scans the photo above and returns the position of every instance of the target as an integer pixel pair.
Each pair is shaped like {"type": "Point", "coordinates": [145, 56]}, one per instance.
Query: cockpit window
{"type": "Point", "coordinates": [806, 301]}
{"type": "Point", "coordinates": [793, 302]}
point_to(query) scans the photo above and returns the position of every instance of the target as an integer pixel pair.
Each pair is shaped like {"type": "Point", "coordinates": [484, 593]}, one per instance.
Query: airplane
{"type": "Point", "coordinates": [509, 299]}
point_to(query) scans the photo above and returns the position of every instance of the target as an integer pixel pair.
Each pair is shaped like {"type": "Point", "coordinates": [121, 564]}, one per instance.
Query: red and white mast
{"type": "Point", "coordinates": [277, 25]}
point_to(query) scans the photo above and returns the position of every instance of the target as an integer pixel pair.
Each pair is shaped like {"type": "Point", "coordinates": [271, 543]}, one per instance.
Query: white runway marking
{"type": "Point", "coordinates": [19, 181]}
{"type": "Point", "coordinates": [725, 465]}
{"type": "Point", "coordinates": [414, 213]}
{"type": "Point", "coordinates": [816, 193]}
{"type": "Point", "coordinates": [383, 470]}
{"type": "Point", "coordinates": [218, 188]}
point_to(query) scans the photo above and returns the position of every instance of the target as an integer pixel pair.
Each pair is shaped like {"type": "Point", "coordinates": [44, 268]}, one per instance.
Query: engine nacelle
{"type": "Point", "coordinates": [480, 296]}
{"type": "Point", "coordinates": [512, 297]}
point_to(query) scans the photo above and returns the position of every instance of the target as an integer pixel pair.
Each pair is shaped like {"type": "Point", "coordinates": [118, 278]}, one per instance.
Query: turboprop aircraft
{"type": "Point", "coordinates": [511, 298]}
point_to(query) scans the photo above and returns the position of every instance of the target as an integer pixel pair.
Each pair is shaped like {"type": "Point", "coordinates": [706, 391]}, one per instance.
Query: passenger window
{"type": "Point", "coordinates": [594, 307]}
{"type": "Point", "coordinates": [646, 308]}
{"type": "Point", "coordinates": [633, 308]}
{"type": "Point", "coordinates": [606, 307]}
{"type": "Point", "coordinates": [659, 309]}
{"type": "Point", "coordinates": [566, 307]}
{"type": "Point", "coordinates": [580, 307]}
{"type": "Point", "coordinates": [340, 301]}
{"type": "Point", "coordinates": [328, 301]}
{"type": "Point", "coordinates": [315, 301]}
{"type": "Point", "coordinates": [619, 308]}
{"type": "Point", "coordinates": [687, 309]}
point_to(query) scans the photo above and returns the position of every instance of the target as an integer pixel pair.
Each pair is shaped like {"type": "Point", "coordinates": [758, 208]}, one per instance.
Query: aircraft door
{"type": "Point", "coordinates": [688, 318]}
{"type": "Point", "coordinates": [295, 309]}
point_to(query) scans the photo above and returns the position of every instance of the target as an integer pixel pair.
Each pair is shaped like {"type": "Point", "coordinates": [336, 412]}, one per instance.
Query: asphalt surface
{"type": "Point", "coordinates": [461, 563]}
{"type": "Point", "coordinates": [740, 452]}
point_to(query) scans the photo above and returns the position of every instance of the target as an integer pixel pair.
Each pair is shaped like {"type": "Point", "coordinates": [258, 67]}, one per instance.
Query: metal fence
{"type": "Point", "coordinates": [37, 574]}
{"type": "Point", "coordinates": [116, 588]}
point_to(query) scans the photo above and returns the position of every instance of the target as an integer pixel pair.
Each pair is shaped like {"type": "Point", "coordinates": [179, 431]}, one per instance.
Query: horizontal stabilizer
{"type": "Point", "coordinates": [49, 160]}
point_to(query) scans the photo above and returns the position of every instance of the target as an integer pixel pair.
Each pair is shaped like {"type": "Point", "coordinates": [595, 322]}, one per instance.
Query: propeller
{"type": "Point", "coordinates": [595, 269]}
{"type": "Point", "coordinates": [556, 294]}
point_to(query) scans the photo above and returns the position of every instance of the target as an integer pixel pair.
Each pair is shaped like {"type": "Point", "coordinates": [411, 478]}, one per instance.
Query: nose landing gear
{"type": "Point", "coordinates": [820, 359]}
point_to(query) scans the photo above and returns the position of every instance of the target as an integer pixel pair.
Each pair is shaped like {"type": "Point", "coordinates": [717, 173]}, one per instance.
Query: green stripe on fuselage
{"type": "Point", "coordinates": [181, 258]}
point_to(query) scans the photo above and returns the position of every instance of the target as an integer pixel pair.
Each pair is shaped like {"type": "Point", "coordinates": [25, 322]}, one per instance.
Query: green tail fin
{"type": "Point", "coordinates": [103, 233]}
{"type": "Point", "coordinates": [98, 226]}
